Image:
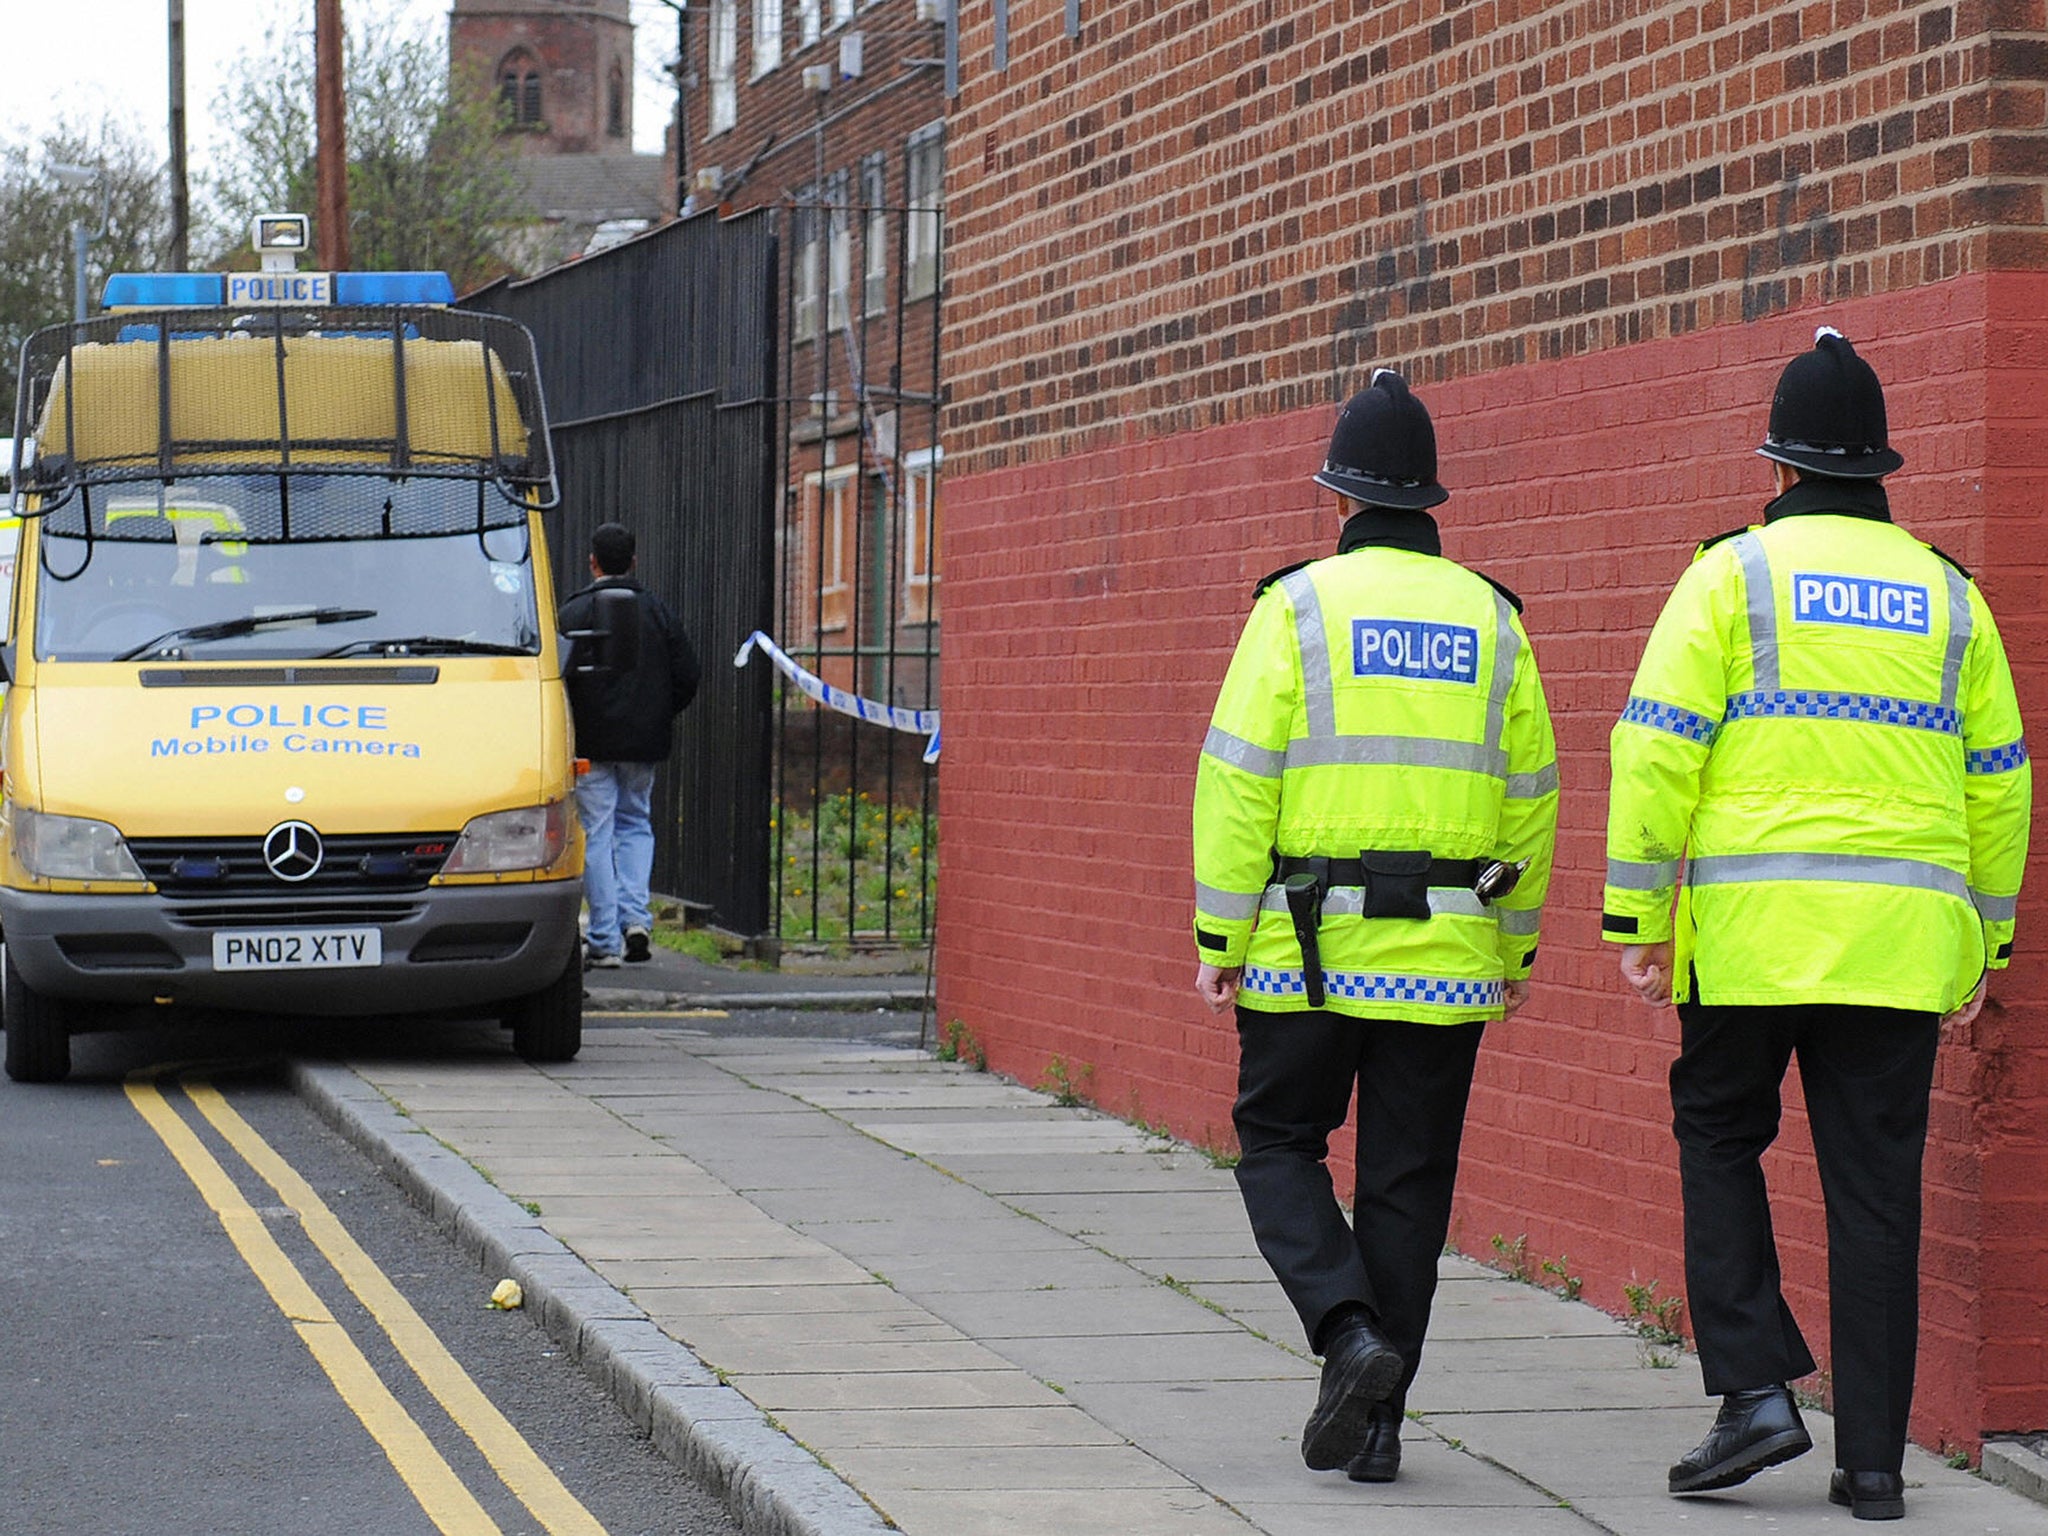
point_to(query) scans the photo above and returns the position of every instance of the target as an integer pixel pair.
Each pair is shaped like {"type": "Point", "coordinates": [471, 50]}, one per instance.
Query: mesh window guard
{"type": "Point", "coordinates": [403, 392]}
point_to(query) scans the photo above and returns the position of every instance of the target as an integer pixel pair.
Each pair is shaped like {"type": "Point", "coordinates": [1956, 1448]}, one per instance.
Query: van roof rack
{"type": "Point", "coordinates": [397, 390]}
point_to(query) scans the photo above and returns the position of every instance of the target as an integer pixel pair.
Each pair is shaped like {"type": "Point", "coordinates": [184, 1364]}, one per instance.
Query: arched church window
{"type": "Point", "coordinates": [519, 88]}
{"type": "Point", "coordinates": [615, 102]}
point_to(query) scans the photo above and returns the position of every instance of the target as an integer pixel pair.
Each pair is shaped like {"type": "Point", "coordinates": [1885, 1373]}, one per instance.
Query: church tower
{"type": "Point", "coordinates": [562, 68]}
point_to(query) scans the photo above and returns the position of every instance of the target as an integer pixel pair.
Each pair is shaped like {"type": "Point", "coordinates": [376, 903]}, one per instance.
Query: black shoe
{"type": "Point", "coordinates": [1359, 1369]}
{"type": "Point", "coordinates": [1380, 1461]}
{"type": "Point", "coordinates": [1869, 1495]}
{"type": "Point", "coordinates": [1754, 1429]}
{"type": "Point", "coordinates": [638, 948]}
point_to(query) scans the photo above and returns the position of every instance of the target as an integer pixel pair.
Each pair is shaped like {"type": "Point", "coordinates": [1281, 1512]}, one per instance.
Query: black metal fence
{"type": "Point", "coordinates": [758, 398]}
{"type": "Point", "coordinates": [658, 361]}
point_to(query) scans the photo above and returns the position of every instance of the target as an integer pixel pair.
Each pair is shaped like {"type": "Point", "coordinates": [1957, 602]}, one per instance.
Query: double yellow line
{"type": "Point", "coordinates": [442, 1494]}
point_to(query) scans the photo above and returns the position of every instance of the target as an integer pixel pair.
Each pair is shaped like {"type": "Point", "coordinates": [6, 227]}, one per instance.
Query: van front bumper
{"type": "Point", "coordinates": [443, 947]}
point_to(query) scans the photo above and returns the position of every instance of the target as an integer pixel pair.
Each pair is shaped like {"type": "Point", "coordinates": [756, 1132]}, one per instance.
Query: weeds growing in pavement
{"type": "Point", "coordinates": [1065, 1084]}
{"type": "Point", "coordinates": [1568, 1284]}
{"type": "Point", "coordinates": [1514, 1257]}
{"type": "Point", "coordinates": [957, 1043]}
{"type": "Point", "coordinates": [1655, 1320]}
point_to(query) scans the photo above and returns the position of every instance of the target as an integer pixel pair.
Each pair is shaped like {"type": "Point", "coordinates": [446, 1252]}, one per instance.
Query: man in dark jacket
{"type": "Point", "coordinates": [622, 726]}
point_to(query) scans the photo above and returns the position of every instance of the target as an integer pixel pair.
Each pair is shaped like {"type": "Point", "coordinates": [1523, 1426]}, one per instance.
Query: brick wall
{"type": "Point", "coordinates": [1594, 233]}
{"type": "Point", "coordinates": [1206, 211]}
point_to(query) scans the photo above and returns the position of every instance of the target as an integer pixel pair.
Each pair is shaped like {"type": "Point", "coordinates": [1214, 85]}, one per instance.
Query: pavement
{"type": "Point", "coordinates": [858, 1289]}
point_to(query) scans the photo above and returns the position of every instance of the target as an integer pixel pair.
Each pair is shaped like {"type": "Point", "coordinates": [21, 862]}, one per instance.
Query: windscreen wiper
{"type": "Point", "coordinates": [248, 624]}
{"type": "Point", "coordinates": [424, 645]}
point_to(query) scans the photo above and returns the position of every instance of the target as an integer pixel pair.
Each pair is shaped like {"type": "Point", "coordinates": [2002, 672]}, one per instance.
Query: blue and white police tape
{"type": "Point", "coordinates": [924, 722]}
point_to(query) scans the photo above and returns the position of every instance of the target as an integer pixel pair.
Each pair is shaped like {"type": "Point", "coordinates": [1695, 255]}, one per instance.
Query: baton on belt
{"type": "Point", "coordinates": [1305, 906]}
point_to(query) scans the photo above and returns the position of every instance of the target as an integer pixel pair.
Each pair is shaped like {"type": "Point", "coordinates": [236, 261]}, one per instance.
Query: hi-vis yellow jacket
{"type": "Point", "coordinates": [1823, 743]}
{"type": "Point", "coordinates": [1384, 699]}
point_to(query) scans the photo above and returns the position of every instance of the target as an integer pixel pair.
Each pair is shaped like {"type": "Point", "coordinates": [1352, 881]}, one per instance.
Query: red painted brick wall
{"type": "Point", "coordinates": [1593, 231]}
{"type": "Point", "coordinates": [1095, 599]}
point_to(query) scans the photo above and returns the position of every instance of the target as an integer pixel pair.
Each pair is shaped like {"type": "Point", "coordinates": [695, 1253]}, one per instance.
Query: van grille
{"type": "Point", "coordinates": [293, 914]}
{"type": "Point", "coordinates": [350, 864]}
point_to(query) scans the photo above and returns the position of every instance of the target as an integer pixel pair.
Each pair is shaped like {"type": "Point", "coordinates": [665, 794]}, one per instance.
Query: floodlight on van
{"type": "Point", "coordinates": [278, 232]}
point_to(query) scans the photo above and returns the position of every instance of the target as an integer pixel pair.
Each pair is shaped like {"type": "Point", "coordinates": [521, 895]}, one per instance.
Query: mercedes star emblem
{"type": "Point", "coordinates": [292, 851]}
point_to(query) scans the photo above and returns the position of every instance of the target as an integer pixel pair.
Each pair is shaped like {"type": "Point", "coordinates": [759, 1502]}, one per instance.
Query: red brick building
{"type": "Point", "coordinates": [562, 72]}
{"type": "Point", "coordinates": [563, 69]}
{"type": "Point", "coordinates": [1591, 232]}
{"type": "Point", "coordinates": [833, 111]}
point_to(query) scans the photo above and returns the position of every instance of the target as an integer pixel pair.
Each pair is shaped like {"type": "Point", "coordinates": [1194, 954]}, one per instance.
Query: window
{"type": "Point", "coordinates": [767, 36]}
{"type": "Point", "coordinates": [805, 277]}
{"type": "Point", "coordinates": [926, 180]}
{"type": "Point", "coordinates": [724, 64]}
{"type": "Point", "coordinates": [809, 22]}
{"type": "Point", "coordinates": [921, 535]}
{"type": "Point", "coordinates": [842, 12]}
{"type": "Point", "coordinates": [615, 102]}
{"type": "Point", "coordinates": [831, 498]}
{"type": "Point", "coordinates": [519, 89]}
{"type": "Point", "coordinates": [839, 254]}
{"type": "Point", "coordinates": [874, 193]}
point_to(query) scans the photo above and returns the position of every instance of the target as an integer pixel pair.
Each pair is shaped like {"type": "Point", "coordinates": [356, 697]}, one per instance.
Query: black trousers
{"type": "Point", "coordinates": [1866, 1073]}
{"type": "Point", "coordinates": [1294, 1083]}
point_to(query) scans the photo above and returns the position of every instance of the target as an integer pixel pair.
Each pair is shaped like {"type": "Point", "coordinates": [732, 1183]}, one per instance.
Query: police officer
{"type": "Point", "coordinates": [1822, 742]}
{"type": "Point", "coordinates": [1375, 809]}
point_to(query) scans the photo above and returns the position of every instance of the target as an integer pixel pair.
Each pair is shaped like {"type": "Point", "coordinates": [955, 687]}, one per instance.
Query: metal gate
{"type": "Point", "coordinates": [658, 361]}
{"type": "Point", "coordinates": [758, 398]}
{"type": "Point", "coordinates": [857, 599]}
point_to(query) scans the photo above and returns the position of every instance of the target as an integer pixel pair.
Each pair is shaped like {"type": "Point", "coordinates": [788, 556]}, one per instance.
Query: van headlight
{"type": "Point", "coordinates": [71, 848]}
{"type": "Point", "coordinates": [532, 837]}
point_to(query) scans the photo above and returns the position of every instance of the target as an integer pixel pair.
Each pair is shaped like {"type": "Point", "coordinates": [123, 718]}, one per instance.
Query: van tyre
{"type": "Point", "coordinates": [546, 1025]}
{"type": "Point", "coordinates": [38, 1029]}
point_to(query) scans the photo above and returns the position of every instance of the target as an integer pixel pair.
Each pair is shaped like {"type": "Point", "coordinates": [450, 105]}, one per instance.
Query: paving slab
{"type": "Point", "coordinates": [1014, 1468]}
{"type": "Point", "coordinates": [788, 1391]}
{"type": "Point", "coordinates": [1136, 1309]}
{"type": "Point", "coordinates": [1160, 1358]}
{"type": "Point", "coordinates": [1037, 1512]}
{"type": "Point", "coordinates": [965, 1430]}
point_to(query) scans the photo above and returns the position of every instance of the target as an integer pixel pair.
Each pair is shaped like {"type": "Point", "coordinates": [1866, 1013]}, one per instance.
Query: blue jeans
{"type": "Point", "coordinates": [618, 852]}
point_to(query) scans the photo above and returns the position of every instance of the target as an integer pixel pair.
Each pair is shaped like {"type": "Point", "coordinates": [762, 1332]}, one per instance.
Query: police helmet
{"type": "Point", "coordinates": [1383, 452]}
{"type": "Point", "coordinates": [1827, 417]}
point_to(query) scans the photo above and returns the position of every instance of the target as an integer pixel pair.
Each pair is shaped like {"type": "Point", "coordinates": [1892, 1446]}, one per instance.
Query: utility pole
{"type": "Point", "coordinates": [181, 193]}
{"type": "Point", "coordinates": [78, 178]}
{"type": "Point", "coordinates": [330, 161]}
{"type": "Point", "coordinates": [682, 10]}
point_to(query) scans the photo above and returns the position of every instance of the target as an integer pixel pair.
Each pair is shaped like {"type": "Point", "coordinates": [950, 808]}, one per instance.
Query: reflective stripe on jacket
{"type": "Point", "coordinates": [1383, 699]}
{"type": "Point", "coordinates": [1823, 743]}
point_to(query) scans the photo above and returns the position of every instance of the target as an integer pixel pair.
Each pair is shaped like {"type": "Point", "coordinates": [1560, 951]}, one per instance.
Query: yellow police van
{"type": "Point", "coordinates": [284, 728]}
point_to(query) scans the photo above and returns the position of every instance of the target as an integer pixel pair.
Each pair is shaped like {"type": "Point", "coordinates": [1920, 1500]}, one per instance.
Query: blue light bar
{"type": "Point", "coordinates": [162, 290]}
{"type": "Point", "coordinates": [393, 288]}
{"type": "Point", "coordinates": [175, 290]}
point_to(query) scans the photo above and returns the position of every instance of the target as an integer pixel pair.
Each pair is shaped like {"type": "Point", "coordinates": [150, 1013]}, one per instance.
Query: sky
{"type": "Point", "coordinates": [90, 58]}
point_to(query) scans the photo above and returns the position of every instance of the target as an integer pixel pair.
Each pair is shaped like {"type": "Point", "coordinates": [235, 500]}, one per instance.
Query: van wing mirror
{"type": "Point", "coordinates": [612, 643]}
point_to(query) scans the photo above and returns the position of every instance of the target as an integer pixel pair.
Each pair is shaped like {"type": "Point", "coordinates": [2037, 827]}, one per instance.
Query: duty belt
{"type": "Point", "coordinates": [1394, 884]}
{"type": "Point", "coordinates": [1331, 873]}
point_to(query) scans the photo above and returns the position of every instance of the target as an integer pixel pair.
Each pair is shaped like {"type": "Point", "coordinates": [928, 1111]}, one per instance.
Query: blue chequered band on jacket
{"type": "Point", "coordinates": [1669, 717]}
{"type": "Point", "coordinates": [1368, 987]}
{"type": "Point", "coordinates": [1846, 706]}
{"type": "Point", "coordinates": [1997, 759]}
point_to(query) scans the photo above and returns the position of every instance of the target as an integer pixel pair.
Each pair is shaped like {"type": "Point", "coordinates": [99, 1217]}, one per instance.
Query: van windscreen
{"type": "Point", "coordinates": [201, 572]}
